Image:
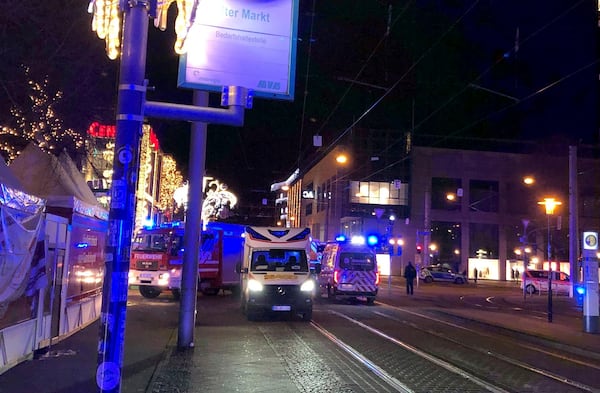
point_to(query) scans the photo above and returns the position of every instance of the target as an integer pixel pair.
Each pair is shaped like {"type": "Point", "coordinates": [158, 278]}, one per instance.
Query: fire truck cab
{"type": "Point", "coordinates": [275, 274]}
{"type": "Point", "coordinates": [156, 260]}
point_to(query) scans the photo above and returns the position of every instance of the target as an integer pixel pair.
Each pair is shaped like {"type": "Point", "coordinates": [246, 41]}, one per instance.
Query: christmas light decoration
{"type": "Point", "coordinates": [39, 124]}
{"type": "Point", "coordinates": [170, 180]}
{"type": "Point", "coordinates": [107, 21]}
{"type": "Point", "coordinates": [217, 203]}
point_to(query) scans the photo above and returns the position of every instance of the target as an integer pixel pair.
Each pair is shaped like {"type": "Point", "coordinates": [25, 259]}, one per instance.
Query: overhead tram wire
{"type": "Point", "coordinates": [352, 83]}
{"type": "Point", "coordinates": [423, 55]}
{"type": "Point", "coordinates": [539, 91]}
{"type": "Point", "coordinates": [481, 75]}
{"type": "Point", "coordinates": [389, 90]}
{"type": "Point", "coordinates": [501, 59]}
{"type": "Point", "coordinates": [310, 41]}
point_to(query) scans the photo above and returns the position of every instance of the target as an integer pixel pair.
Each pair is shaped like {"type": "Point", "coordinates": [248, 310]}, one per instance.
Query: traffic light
{"type": "Point", "coordinates": [419, 248]}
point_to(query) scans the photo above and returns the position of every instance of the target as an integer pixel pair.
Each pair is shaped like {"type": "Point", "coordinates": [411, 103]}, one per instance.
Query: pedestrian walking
{"type": "Point", "coordinates": [410, 273]}
{"type": "Point", "coordinates": [475, 273]}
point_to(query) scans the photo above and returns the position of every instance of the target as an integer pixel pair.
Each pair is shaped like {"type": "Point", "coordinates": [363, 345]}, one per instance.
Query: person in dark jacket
{"type": "Point", "coordinates": [410, 273]}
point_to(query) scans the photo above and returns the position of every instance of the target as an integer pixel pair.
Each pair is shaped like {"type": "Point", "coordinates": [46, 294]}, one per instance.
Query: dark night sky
{"type": "Point", "coordinates": [434, 51]}
{"type": "Point", "coordinates": [426, 52]}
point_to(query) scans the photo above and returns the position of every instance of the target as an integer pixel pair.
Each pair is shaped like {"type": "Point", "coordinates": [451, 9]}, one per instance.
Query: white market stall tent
{"type": "Point", "coordinates": [73, 230]}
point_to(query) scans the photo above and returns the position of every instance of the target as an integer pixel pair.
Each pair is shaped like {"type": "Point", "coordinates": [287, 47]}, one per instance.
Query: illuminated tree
{"type": "Point", "coordinates": [170, 180]}
{"type": "Point", "coordinates": [53, 43]}
{"type": "Point", "coordinates": [39, 124]}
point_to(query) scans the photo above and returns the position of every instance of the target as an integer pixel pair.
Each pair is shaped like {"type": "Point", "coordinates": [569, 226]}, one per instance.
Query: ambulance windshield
{"type": "Point", "coordinates": [279, 260]}
{"type": "Point", "coordinates": [357, 261]}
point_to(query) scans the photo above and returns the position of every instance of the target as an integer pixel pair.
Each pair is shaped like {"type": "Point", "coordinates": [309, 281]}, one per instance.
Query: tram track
{"type": "Point", "coordinates": [506, 365]}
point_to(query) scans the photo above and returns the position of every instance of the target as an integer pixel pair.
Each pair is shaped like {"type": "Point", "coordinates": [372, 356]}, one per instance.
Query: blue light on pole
{"type": "Point", "coordinates": [372, 240]}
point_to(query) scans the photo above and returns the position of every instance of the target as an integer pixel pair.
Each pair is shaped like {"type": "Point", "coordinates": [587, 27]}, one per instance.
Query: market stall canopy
{"type": "Point", "coordinates": [57, 180]}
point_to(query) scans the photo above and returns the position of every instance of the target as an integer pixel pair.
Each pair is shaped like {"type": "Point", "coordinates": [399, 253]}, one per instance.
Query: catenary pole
{"type": "Point", "coordinates": [193, 223]}
{"type": "Point", "coordinates": [573, 219]}
{"type": "Point", "coordinates": [129, 119]}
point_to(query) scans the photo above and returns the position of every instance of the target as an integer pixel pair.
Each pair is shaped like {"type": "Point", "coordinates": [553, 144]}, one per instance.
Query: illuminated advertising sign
{"type": "Point", "coordinates": [246, 43]}
{"type": "Point", "coordinates": [308, 194]}
{"type": "Point", "coordinates": [590, 240]}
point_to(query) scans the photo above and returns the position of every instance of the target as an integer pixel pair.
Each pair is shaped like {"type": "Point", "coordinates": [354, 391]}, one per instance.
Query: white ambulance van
{"type": "Point", "coordinates": [275, 274]}
{"type": "Point", "coordinates": [349, 271]}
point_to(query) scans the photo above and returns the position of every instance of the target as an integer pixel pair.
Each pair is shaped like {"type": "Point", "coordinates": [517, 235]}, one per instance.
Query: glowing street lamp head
{"type": "Point", "coordinates": [529, 180]}
{"type": "Point", "coordinates": [550, 204]}
{"type": "Point", "coordinates": [341, 159]}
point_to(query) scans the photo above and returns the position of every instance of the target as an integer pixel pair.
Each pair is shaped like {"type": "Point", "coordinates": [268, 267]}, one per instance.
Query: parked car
{"type": "Point", "coordinates": [537, 280]}
{"type": "Point", "coordinates": [440, 273]}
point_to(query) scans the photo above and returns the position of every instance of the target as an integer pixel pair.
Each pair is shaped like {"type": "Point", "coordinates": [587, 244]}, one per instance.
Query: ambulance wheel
{"type": "Point", "coordinates": [176, 294]}
{"type": "Point", "coordinates": [428, 279]}
{"type": "Point", "coordinates": [370, 300]}
{"type": "Point", "coordinates": [307, 315]}
{"type": "Point", "coordinates": [251, 315]}
{"type": "Point", "coordinates": [149, 292]}
{"type": "Point", "coordinates": [530, 289]}
{"type": "Point", "coordinates": [330, 294]}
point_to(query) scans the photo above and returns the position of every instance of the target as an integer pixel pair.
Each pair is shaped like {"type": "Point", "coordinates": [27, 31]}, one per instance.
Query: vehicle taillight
{"type": "Point", "coordinates": [377, 278]}
{"type": "Point", "coordinates": [336, 276]}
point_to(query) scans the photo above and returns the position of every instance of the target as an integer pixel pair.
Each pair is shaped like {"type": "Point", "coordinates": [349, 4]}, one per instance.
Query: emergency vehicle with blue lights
{"type": "Point", "coordinates": [349, 270]}
{"type": "Point", "coordinates": [157, 258]}
{"type": "Point", "coordinates": [275, 274]}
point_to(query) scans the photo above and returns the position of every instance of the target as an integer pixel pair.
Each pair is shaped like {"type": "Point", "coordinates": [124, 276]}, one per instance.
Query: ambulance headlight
{"type": "Point", "coordinates": [307, 286]}
{"type": "Point", "coordinates": [254, 286]}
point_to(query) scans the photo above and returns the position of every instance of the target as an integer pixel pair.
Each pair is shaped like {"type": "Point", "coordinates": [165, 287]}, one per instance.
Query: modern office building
{"type": "Point", "coordinates": [468, 209]}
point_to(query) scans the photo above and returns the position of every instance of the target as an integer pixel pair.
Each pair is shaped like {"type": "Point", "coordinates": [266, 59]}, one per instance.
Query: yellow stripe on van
{"type": "Point", "coordinates": [280, 277]}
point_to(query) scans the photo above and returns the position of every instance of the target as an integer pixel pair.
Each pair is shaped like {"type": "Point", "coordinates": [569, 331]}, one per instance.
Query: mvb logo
{"type": "Point", "coordinates": [270, 85]}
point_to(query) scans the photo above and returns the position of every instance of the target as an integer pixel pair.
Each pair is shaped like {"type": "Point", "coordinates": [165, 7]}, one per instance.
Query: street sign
{"type": "Point", "coordinates": [244, 43]}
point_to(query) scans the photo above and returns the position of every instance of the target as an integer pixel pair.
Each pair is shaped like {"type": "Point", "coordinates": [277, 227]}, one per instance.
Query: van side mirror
{"type": "Point", "coordinates": [239, 269]}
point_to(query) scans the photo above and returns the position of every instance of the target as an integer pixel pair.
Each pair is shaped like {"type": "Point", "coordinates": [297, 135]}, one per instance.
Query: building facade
{"type": "Point", "coordinates": [466, 209]}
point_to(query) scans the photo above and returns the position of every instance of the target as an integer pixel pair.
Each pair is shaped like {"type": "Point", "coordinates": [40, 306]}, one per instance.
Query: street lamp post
{"type": "Point", "coordinates": [550, 204]}
{"type": "Point", "coordinates": [525, 260]}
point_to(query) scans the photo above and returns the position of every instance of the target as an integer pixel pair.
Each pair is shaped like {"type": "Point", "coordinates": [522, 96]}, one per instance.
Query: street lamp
{"type": "Point", "coordinates": [550, 204]}
{"type": "Point", "coordinates": [332, 196]}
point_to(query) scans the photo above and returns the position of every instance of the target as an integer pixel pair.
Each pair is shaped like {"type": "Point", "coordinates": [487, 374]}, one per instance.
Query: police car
{"type": "Point", "coordinates": [440, 273]}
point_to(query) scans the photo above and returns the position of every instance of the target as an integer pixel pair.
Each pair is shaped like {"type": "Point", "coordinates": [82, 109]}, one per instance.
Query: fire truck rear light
{"type": "Point", "coordinates": [377, 278]}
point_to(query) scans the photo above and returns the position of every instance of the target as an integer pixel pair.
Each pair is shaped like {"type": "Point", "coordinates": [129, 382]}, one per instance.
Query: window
{"type": "Point", "coordinates": [483, 240]}
{"type": "Point", "coordinates": [378, 193]}
{"type": "Point", "coordinates": [445, 194]}
{"type": "Point", "coordinates": [148, 242]}
{"type": "Point", "coordinates": [279, 260]}
{"type": "Point", "coordinates": [483, 196]}
{"type": "Point", "coordinates": [308, 208]}
{"type": "Point", "coordinates": [357, 261]}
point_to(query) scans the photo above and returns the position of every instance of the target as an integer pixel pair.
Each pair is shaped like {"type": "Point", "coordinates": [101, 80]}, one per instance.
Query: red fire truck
{"type": "Point", "coordinates": [157, 258]}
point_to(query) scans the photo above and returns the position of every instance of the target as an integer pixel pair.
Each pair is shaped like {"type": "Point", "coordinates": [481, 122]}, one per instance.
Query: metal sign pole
{"type": "Point", "coordinates": [122, 206]}
{"type": "Point", "coordinates": [590, 279]}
